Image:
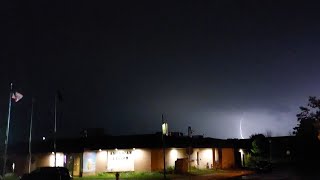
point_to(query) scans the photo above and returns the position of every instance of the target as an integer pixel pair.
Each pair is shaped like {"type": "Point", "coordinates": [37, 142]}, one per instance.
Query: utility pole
{"type": "Point", "coordinates": [189, 150]}
{"type": "Point", "coordinates": [30, 136]}
{"type": "Point", "coordinates": [55, 131]}
{"type": "Point", "coordinates": [7, 132]}
{"type": "Point", "coordinates": [270, 155]}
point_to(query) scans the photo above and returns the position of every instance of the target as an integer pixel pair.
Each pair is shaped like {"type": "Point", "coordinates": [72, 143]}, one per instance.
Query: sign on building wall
{"type": "Point", "coordinates": [89, 162]}
{"type": "Point", "coordinates": [120, 160]}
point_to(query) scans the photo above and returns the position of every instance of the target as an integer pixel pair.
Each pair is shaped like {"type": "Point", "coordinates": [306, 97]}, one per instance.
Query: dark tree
{"type": "Point", "coordinates": [268, 133]}
{"type": "Point", "coordinates": [307, 131]}
{"type": "Point", "coordinates": [259, 145]}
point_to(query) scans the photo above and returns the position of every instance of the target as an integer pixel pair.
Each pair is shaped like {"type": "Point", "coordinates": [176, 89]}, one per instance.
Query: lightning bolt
{"type": "Point", "coordinates": [241, 135]}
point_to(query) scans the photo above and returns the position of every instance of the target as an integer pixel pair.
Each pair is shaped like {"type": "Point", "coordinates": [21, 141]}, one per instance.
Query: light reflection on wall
{"type": "Point", "coordinates": [216, 155]}
{"type": "Point", "coordinates": [207, 153]}
{"type": "Point", "coordinates": [101, 160]}
{"type": "Point", "coordinates": [137, 153]}
{"type": "Point", "coordinates": [174, 154]}
{"type": "Point", "coordinates": [206, 158]}
{"type": "Point", "coordinates": [102, 153]}
{"type": "Point", "coordinates": [60, 160]}
{"type": "Point", "coordinates": [241, 154]}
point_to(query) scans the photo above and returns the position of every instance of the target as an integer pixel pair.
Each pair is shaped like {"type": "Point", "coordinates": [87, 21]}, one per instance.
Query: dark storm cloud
{"type": "Point", "coordinates": [120, 65]}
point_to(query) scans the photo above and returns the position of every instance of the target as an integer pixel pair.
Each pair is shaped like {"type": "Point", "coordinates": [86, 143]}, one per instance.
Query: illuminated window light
{"type": "Point", "coordinates": [100, 150]}
{"type": "Point", "coordinates": [52, 152]}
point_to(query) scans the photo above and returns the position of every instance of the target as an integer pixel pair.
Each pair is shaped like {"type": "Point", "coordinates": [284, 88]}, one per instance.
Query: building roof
{"type": "Point", "coordinates": [77, 145]}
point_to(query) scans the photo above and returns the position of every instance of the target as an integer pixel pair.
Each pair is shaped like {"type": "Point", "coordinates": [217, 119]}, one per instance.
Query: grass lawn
{"type": "Point", "coordinates": [125, 175]}
{"type": "Point", "coordinates": [195, 171]}
{"type": "Point", "coordinates": [147, 175]}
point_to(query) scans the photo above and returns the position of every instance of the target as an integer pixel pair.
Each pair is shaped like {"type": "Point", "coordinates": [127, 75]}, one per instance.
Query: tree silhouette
{"type": "Point", "coordinates": [268, 133]}
{"type": "Point", "coordinates": [259, 145]}
{"type": "Point", "coordinates": [307, 131]}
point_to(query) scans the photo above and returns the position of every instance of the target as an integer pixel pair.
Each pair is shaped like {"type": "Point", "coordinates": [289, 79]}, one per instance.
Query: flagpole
{"type": "Point", "coordinates": [55, 131]}
{"type": "Point", "coordinates": [30, 134]}
{"type": "Point", "coordinates": [7, 132]}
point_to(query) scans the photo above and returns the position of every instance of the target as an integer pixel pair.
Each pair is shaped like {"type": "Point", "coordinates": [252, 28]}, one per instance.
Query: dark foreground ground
{"type": "Point", "coordinates": [279, 172]}
{"type": "Point", "coordinates": [286, 172]}
{"type": "Point", "coordinates": [231, 174]}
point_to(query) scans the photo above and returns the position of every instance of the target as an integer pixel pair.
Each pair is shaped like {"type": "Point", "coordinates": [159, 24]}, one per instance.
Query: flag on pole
{"type": "Point", "coordinates": [16, 96]}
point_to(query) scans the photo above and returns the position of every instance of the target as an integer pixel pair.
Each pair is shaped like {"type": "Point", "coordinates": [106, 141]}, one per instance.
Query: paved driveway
{"type": "Point", "coordinates": [221, 175]}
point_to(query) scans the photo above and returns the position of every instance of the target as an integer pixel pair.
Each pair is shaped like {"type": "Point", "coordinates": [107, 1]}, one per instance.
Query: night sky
{"type": "Point", "coordinates": [121, 64]}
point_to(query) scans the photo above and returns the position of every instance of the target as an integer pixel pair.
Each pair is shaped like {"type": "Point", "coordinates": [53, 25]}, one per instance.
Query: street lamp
{"type": "Point", "coordinates": [164, 133]}
{"type": "Point", "coordinates": [164, 129]}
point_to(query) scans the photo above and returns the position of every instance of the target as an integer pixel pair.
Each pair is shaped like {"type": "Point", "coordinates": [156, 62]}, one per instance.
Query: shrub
{"type": "Point", "coordinates": [250, 161]}
{"type": "Point", "coordinates": [170, 169]}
